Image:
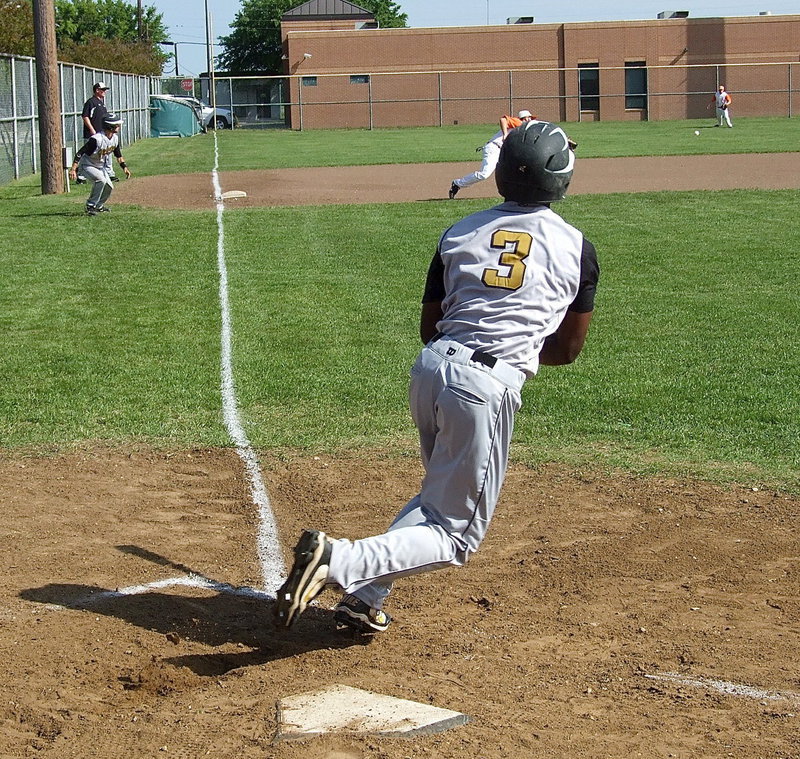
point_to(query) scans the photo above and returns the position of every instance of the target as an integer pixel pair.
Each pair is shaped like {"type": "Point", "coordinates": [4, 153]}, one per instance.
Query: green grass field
{"type": "Point", "coordinates": [112, 324]}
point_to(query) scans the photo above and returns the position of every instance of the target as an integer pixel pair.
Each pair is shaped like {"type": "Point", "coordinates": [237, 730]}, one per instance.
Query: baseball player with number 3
{"type": "Point", "coordinates": [509, 288]}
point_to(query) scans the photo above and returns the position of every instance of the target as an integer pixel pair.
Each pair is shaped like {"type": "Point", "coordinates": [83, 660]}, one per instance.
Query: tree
{"type": "Point", "coordinates": [81, 20]}
{"type": "Point", "coordinates": [255, 44]}
{"type": "Point", "coordinates": [116, 55]}
{"type": "Point", "coordinates": [16, 27]}
{"type": "Point", "coordinates": [105, 34]}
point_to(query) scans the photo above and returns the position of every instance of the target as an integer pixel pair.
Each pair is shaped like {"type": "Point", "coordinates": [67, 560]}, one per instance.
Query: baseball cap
{"type": "Point", "coordinates": [525, 114]}
{"type": "Point", "coordinates": [101, 86]}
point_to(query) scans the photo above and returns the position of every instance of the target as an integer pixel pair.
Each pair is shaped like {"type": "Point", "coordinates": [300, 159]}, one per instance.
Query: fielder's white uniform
{"type": "Point", "coordinates": [95, 164]}
{"type": "Point", "coordinates": [723, 114]}
{"type": "Point", "coordinates": [505, 278]}
{"type": "Point", "coordinates": [491, 155]}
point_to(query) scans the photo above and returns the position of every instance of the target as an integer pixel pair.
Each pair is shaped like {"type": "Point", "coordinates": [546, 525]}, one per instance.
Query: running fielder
{"type": "Point", "coordinates": [509, 288]}
{"type": "Point", "coordinates": [94, 162]}
{"type": "Point", "coordinates": [491, 152]}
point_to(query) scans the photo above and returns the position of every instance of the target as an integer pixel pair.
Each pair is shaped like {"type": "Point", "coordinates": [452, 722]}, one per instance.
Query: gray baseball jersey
{"type": "Point", "coordinates": [505, 278]}
{"type": "Point", "coordinates": [98, 150]}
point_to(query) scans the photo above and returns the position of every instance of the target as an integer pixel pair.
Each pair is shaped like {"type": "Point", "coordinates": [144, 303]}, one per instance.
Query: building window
{"type": "Point", "coordinates": [309, 81]}
{"type": "Point", "coordinates": [589, 84]}
{"type": "Point", "coordinates": [359, 79]}
{"type": "Point", "coordinates": [635, 85]}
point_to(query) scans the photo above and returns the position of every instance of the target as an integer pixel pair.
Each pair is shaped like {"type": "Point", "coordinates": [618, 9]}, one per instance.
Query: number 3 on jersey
{"type": "Point", "coordinates": [516, 247]}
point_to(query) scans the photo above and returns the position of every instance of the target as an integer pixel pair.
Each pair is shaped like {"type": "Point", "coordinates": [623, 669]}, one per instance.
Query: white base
{"type": "Point", "coordinates": [340, 709]}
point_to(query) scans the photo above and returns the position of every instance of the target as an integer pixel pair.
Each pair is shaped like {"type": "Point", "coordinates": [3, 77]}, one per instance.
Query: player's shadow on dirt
{"type": "Point", "coordinates": [216, 619]}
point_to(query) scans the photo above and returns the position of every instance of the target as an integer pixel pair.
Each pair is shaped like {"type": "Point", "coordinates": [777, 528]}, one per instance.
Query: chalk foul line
{"type": "Point", "coordinates": [729, 689]}
{"type": "Point", "coordinates": [268, 545]}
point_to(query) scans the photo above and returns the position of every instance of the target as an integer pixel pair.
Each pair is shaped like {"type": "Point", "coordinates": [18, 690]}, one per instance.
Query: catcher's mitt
{"type": "Point", "coordinates": [724, 106]}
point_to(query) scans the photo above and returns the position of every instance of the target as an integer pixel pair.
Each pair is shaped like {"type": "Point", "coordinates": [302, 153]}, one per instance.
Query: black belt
{"type": "Point", "coordinates": [479, 356]}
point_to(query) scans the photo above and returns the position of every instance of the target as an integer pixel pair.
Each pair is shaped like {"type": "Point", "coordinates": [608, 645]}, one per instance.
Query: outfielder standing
{"type": "Point", "coordinates": [94, 162]}
{"type": "Point", "coordinates": [491, 153]}
{"type": "Point", "coordinates": [721, 100]}
{"type": "Point", "coordinates": [509, 288]}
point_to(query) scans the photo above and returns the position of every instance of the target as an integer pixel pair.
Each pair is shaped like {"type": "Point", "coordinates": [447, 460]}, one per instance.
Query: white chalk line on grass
{"type": "Point", "coordinates": [268, 546]}
{"type": "Point", "coordinates": [730, 689]}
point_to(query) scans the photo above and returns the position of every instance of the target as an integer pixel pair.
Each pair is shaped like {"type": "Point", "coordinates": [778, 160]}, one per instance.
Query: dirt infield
{"type": "Point", "coordinates": [410, 182]}
{"type": "Point", "coordinates": [587, 589]}
{"type": "Point", "coordinates": [605, 616]}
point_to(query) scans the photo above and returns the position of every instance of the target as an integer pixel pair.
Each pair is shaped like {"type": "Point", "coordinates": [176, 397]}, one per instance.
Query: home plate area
{"type": "Point", "coordinates": [341, 709]}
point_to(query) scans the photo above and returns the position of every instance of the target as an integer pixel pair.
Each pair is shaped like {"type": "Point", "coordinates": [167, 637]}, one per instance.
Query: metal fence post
{"type": "Point", "coordinates": [441, 105]}
{"type": "Point", "coordinates": [790, 89]}
{"type": "Point", "coordinates": [510, 92]}
{"type": "Point", "coordinates": [300, 100]}
{"type": "Point", "coordinates": [369, 96]}
{"type": "Point", "coordinates": [14, 129]}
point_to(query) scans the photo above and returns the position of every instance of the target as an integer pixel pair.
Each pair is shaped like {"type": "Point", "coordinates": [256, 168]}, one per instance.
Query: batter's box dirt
{"type": "Point", "coordinates": [584, 587]}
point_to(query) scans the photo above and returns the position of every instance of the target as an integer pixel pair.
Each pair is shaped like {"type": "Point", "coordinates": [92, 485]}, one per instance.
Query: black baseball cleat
{"type": "Point", "coordinates": [354, 613]}
{"type": "Point", "coordinates": [80, 180]}
{"type": "Point", "coordinates": [115, 178]}
{"type": "Point", "coordinates": [307, 578]}
{"type": "Point", "coordinates": [103, 209]}
{"type": "Point", "coordinates": [91, 211]}
{"type": "Point", "coordinates": [454, 188]}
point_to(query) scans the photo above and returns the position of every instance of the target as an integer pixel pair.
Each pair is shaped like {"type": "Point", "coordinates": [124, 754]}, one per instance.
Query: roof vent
{"type": "Point", "coordinates": [673, 14]}
{"type": "Point", "coordinates": [519, 20]}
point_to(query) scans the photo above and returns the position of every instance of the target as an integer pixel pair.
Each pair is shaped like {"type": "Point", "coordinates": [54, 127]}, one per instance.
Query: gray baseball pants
{"type": "Point", "coordinates": [464, 411]}
{"type": "Point", "coordinates": [102, 187]}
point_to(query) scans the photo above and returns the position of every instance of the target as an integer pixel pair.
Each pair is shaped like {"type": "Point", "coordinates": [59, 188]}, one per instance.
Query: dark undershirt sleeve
{"type": "Point", "coordinates": [590, 273]}
{"type": "Point", "coordinates": [88, 148]}
{"type": "Point", "coordinates": [434, 284]}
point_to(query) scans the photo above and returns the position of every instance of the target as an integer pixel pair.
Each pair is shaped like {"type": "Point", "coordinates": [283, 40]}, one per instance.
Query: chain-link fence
{"type": "Point", "coordinates": [19, 123]}
{"type": "Point", "coordinates": [373, 100]}
{"type": "Point", "coordinates": [436, 98]}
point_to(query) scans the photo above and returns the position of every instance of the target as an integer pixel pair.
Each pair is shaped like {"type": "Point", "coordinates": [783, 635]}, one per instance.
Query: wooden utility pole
{"type": "Point", "coordinates": [51, 143]}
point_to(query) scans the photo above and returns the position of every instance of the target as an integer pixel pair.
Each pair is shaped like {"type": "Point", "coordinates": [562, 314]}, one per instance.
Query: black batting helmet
{"type": "Point", "coordinates": [536, 163]}
{"type": "Point", "coordinates": [111, 120]}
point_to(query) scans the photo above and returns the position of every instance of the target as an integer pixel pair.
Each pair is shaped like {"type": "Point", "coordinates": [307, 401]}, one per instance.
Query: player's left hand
{"type": "Point", "coordinates": [127, 172]}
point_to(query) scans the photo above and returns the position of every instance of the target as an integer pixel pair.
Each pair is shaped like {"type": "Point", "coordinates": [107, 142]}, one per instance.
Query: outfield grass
{"type": "Point", "coordinates": [111, 330]}
{"type": "Point", "coordinates": [253, 149]}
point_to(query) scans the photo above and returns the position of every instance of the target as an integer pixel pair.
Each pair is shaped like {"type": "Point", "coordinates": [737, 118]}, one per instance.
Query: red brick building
{"type": "Point", "coordinates": [344, 72]}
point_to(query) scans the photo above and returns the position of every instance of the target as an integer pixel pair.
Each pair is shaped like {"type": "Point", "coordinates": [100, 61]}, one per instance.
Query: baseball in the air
{"type": "Point", "coordinates": [697, 132]}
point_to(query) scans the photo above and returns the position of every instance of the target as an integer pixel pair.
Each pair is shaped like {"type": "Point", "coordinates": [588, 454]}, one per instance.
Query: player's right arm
{"type": "Point", "coordinates": [86, 116]}
{"type": "Point", "coordinates": [88, 149]}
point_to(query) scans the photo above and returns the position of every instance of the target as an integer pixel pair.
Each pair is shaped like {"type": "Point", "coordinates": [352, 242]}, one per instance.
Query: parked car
{"type": "Point", "coordinates": [224, 119]}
